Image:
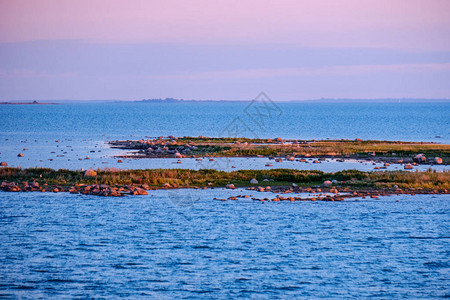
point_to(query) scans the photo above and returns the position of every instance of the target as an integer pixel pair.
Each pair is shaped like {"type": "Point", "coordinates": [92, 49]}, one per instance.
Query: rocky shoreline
{"type": "Point", "coordinates": [292, 150]}
{"type": "Point", "coordinates": [316, 193]}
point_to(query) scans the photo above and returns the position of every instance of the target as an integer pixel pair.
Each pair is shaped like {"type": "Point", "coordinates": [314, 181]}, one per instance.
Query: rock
{"type": "Point", "coordinates": [166, 185]}
{"type": "Point", "coordinates": [35, 185]}
{"type": "Point", "coordinates": [408, 167]}
{"type": "Point", "coordinates": [438, 160]}
{"type": "Point", "coordinates": [294, 185]}
{"type": "Point", "coordinates": [120, 161]}
{"type": "Point", "coordinates": [90, 173]}
{"type": "Point", "coordinates": [145, 186]}
{"type": "Point", "coordinates": [327, 183]}
{"type": "Point", "coordinates": [334, 181]}
{"type": "Point", "coordinates": [230, 186]}
{"type": "Point", "coordinates": [419, 158]}
{"type": "Point", "coordinates": [140, 191]}
{"type": "Point", "coordinates": [254, 181]}
{"type": "Point", "coordinates": [178, 155]}
{"type": "Point", "coordinates": [3, 164]}
{"type": "Point", "coordinates": [20, 155]}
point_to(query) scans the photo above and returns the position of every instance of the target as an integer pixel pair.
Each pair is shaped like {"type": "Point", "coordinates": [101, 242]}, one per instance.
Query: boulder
{"type": "Point", "coordinates": [140, 191]}
{"type": "Point", "coordinates": [166, 185]}
{"type": "Point", "coordinates": [3, 164]}
{"type": "Point", "coordinates": [178, 155]}
{"type": "Point", "coordinates": [254, 181]}
{"type": "Point", "coordinates": [438, 160]}
{"type": "Point", "coordinates": [90, 173]}
{"type": "Point", "coordinates": [419, 158]}
{"type": "Point", "coordinates": [327, 183]}
{"type": "Point", "coordinates": [408, 167]}
{"type": "Point", "coordinates": [20, 155]}
{"type": "Point", "coordinates": [230, 186]}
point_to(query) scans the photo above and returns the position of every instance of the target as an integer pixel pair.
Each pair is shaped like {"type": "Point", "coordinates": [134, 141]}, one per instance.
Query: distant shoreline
{"type": "Point", "coordinates": [28, 103]}
{"type": "Point", "coordinates": [183, 101]}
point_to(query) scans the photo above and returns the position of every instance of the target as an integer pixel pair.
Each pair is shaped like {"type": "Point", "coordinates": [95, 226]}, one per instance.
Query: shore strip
{"type": "Point", "coordinates": [324, 186]}
{"type": "Point", "coordinates": [278, 149]}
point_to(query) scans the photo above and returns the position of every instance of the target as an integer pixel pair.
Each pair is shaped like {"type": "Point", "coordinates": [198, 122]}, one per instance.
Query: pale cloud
{"type": "Point", "coordinates": [348, 70]}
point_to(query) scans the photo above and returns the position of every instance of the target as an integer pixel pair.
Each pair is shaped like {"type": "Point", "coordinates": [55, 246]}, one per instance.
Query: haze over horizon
{"type": "Point", "coordinates": [292, 50]}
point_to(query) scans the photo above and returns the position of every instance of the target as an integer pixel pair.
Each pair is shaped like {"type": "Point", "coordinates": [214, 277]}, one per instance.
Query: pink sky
{"type": "Point", "coordinates": [217, 49]}
{"type": "Point", "coordinates": [340, 23]}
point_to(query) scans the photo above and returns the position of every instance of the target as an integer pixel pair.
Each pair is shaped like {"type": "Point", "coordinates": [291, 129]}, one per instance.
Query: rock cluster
{"type": "Point", "coordinates": [93, 189]}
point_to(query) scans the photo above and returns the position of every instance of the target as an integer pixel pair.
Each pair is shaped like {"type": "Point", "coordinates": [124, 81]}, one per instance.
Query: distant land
{"type": "Point", "coordinates": [175, 100]}
{"type": "Point", "coordinates": [29, 103]}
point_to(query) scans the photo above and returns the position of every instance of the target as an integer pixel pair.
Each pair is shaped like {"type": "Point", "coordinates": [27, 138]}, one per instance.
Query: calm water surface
{"type": "Point", "coordinates": [82, 129]}
{"type": "Point", "coordinates": [183, 244]}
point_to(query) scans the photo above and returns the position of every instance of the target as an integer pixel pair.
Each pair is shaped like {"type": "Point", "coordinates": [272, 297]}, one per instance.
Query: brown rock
{"type": "Point", "coordinates": [140, 191]}
{"type": "Point", "coordinates": [438, 160]}
{"type": "Point", "coordinates": [90, 173]}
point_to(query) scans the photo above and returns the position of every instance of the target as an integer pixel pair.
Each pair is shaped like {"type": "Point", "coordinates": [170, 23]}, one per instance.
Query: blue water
{"type": "Point", "coordinates": [382, 121]}
{"type": "Point", "coordinates": [184, 244]}
{"type": "Point", "coordinates": [74, 246]}
{"type": "Point", "coordinates": [83, 128]}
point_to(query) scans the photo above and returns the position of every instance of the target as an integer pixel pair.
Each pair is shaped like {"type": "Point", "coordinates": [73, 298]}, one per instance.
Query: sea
{"type": "Point", "coordinates": [183, 243]}
{"type": "Point", "coordinates": [75, 135]}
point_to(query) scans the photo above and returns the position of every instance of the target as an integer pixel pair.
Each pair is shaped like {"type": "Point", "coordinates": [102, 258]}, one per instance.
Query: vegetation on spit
{"type": "Point", "coordinates": [183, 178]}
{"type": "Point", "coordinates": [206, 146]}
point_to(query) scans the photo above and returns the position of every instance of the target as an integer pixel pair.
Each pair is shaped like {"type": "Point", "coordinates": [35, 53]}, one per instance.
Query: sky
{"type": "Point", "coordinates": [213, 50]}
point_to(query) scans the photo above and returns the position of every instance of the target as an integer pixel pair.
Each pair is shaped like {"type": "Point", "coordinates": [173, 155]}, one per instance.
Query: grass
{"type": "Point", "coordinates": [427, 180]}
{"type": "Point", "coordinates": [266, 147]}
